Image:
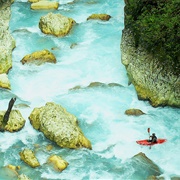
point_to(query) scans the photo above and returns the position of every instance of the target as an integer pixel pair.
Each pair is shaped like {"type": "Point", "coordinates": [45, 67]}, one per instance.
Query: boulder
{"type": "Point", "coordinates": [134, 112]}
{"type": "Point", "coordinates": [29, 158]}
{"type": "Point", "coordinates": [4, 81]}
{"type": "Point", "coordinates": [23, 177]}
{"type": "Point", "coordinates": [103, 17]}
{"type": "Point", "coordinates": [56, 24]}
{"type": "Point", "coordinates": [15, 123]}
{"type": "Point", "coordinates": [44, 5]}
{"type": "Point", "coordinates": [141, 162]}
{"type": "Point", "coordinates": [59, 126]}
{"type": "Point", "coordinates": [58, 163]}
{"type": "Point", "coordinates": [39, 57]}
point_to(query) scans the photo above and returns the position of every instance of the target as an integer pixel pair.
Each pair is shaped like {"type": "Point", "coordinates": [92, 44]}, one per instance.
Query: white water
{"type": "Point", "coordinates": [100, 110]}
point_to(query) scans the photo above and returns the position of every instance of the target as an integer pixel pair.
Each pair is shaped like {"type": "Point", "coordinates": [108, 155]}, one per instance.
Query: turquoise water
{"type": "Point", "coordinates": [100, 110]}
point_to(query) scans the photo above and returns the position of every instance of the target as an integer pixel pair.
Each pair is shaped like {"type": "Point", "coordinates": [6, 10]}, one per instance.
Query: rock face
{"type": "Point", "coordinates": [103, 17]}
{"type": "Point", "coordinates": [15, 123]}
{"type": "Point", "coordinates": [7, 43]}
{"type": "Point", "coordinates": [58, 162]}
{"type": "Point", "coordinates": [56, 24]}
{"type": "Point", "coordinates": [155, 78]}
{"type": "Point", "coordinates": [44, 5]}
{"type": "Point", "coordinates": [59, 126]}
{"type": "Point", "coordinates": [29, 158]}
{"type": "Point", "coordinates": [39, 57]}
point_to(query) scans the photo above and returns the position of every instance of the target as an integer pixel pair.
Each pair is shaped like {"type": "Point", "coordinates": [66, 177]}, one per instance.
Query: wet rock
{"type": "Point", "coordinates": [96, 84]}
{"type": "Point", "coordinates": [23, 177]}
{"type": "Point", "coordinates": [141, 161]}
{"type": "Point", "coordinates": [13, 168]}
{"type": "Point", "coordinates": [44, 5]}
{"type": "Point", "coordinates": [39, 57]}
{"type": "Point", "coordinates": [59, 126]}
{"type": "Point", "coordinates": [29, 158]}
{"type": "Point", "coordinates": [56, 24]}
{"type": "Point", "coordinates": [134, 112]}
{"type": "Point", "coordinates": [15, 123]}
{"type": "Point", "coordinates": [4, 81]}
{"type": "Point", "coordinates": [49, 147]}
{"type": "Point", "coordinates": [58, 163]}
{"type": "Point", "coordinates": [103, 17]}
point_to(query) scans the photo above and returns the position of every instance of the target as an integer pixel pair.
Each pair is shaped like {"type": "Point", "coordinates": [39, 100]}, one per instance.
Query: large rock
{"type": "Point", "coordinates": [39, 57]}
{"type": "Point", "coordinates": [153, 80]}
{"type": "Point", "coordinates": [15, 123]}
{"type": "Point", "coordinates": [29, 158]}
{"type": "Point", "coordinates": [151, 58]}
{"type": "Point", "coordinates": [44, 5]}
{"type": "Point", "coordinates": [56, 24]}
{"type": "Point", "coordinates": [7, 42]}
{"type": "Point", "coordinates": [59, 126]}
{"type": "Point", "coordinates": [4, 81]}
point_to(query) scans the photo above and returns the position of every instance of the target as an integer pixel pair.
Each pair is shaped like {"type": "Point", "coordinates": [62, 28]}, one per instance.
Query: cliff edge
{"type": "Point", "coordinates": [150, 50]}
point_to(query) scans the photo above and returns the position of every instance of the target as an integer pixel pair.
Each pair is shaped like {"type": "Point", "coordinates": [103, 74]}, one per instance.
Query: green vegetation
{"type": "Point", "coordinates": [156, 26]}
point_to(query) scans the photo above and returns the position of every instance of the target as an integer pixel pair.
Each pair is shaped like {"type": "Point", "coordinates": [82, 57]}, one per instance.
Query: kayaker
{"type": "Point", "coordinates": [153, 138]}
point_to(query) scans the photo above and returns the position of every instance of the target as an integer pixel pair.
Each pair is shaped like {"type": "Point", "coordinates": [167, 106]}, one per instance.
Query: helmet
{"type": "Point", "coordinates": [153, 134]}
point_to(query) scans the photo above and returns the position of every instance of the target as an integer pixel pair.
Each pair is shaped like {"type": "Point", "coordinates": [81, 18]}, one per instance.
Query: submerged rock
{"type": "Point", "coordinates": [59, 126]}
{"type": "Point", "coordinates": [103, 17]}
{"type": "Point", "coordinates": [141, 161]}
{"type": "Point", "coordinates": [44, 5]}
{"type": "Point", "coordinates": [15, 123]}
{"type": "Point", "coordinates": [13, 168]}
{"type": "Point", "coordinates": [135, 112]}
{"type": "Point", "coordinates": [29, 158]}
{"type": "Point", "coordinates": [39, 57]}
{"type": "Point", "coordinates": [56, 24]}
{"type": "Point", "coordinates": [58, 163]}
{"type": "Point", "coordinates": [4, 81]}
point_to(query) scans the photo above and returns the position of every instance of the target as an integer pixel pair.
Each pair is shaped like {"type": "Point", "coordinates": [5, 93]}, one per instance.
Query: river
{"type": "Point", "coordinates": [96, 57]}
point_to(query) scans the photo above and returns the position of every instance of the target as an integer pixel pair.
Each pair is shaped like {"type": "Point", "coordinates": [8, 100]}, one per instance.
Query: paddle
{"type": "Point", "coordinates": [149, 136]}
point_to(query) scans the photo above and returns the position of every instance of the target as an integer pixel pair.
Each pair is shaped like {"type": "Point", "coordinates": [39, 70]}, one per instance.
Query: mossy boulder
{"type": "Point", "coordinates": [59, 126]}
{"type": "Point", "coordinates": [15, 123]}
{"type": "Point", "coordinates": [56, 24]}
{"type": "Point", "coordinates": [103, 17]}
{"type": "Point", "coordinates": [39, 57]}
{"type": "Point", "coordinates": [29, 158]}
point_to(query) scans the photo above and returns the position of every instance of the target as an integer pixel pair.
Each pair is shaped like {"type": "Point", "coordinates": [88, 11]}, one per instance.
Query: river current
{"type": "Point", "coordinates": [95, 57]}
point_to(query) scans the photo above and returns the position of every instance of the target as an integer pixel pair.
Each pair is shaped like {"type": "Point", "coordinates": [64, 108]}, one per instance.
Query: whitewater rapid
{"type": "Point", "coordinates": [100, 110]}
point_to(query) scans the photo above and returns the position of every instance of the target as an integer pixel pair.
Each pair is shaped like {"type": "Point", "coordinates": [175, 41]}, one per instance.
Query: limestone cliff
{"type": "Point", "coordinates": [150, 50]}
{"type": "Point", "coordinates": [7, 43]}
